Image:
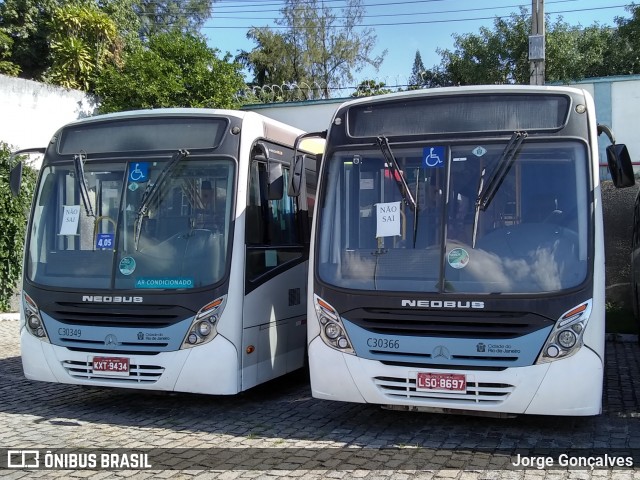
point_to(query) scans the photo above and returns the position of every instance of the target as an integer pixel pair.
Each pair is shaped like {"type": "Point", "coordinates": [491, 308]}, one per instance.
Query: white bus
{"type": "Point", "coordinates": [163, 252]}
{"type": "Point", "coordinates": [457, 256]}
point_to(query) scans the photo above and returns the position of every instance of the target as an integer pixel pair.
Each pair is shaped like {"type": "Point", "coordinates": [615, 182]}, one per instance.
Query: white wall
{"type": "Point", "coordinates": [31, 112]}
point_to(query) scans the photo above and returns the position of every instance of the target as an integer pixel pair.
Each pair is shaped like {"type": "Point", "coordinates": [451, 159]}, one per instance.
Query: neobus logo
{"type": "Point", "coordinates": [106, 299]}
{"type": "Point", "coordinates": [441, 304]}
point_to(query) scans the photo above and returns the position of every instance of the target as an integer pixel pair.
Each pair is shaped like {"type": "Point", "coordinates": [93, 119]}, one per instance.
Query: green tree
{"type": "Point", "coordinates": [416, 80]}
{"type": "Point", "coordinates": [162, 16]}
{"type": "Point", "coordinates": [320, 48]}
{"type": "Point", "coordinates": [500, 55]}
{"type": "Point", "coordinates": [83, 41]}
{"type": "Point", "coordinates": [624, 56]}
{"type": "Point", "coordinates": [174, 70]}
{"type": "Point", "coordinates": [270, 60]}
{"type": "Point", "coordinates": [368, 88]}
{"type": "Point", "coordinates": [30, 33]}
{"type": "Point", "coordinates": [27, 24]}
{"type": "Point", "coordinates": [124, 16]}
{"type": "Point", "coordinates": [13, 218]}
{"type": "Point", "coordinates": [495, 56]}
{"type": "Point", "coordinates": [7, 67]}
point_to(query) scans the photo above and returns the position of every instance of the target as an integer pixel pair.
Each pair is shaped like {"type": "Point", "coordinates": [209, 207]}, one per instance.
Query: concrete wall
{"type": "Point", "coordinates": [31, 112]}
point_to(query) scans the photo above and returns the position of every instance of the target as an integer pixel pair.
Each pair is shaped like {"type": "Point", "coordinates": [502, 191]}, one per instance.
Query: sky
{"type": "Point", "coordinates": [403, 27]}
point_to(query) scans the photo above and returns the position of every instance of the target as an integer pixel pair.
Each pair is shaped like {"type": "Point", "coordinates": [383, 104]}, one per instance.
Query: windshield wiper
{"type": "Point", "coordinates": [396, 173]}
{"type": "Point", "coordinates": [78, 162]}
{"type": "Point", "coordinates": [486, 193]}
{"type": "Point", "coordinates": [153, 190]}
{"type": "Point", "coordinates": [416, 210]}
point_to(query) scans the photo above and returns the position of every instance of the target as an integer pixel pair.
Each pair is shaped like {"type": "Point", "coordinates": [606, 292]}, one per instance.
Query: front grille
{"type": "Point", "coordinates": [424, 358]}
{"type": "Point", "coordinates": [397, 388]}
{"type": "Point", "coordinates": [140, 374]}
{"type": "Point", "coordinates": [118, 315]}
{"type": "Point", "coordinates": [69, 342]}
{"type": "Point", "coordinates": [467, 324]}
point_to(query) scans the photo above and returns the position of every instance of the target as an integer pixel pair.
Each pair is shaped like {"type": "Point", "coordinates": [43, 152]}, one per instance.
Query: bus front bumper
{"type": "Point", "coordinates": [571, 386]}
{"type": "Point", "coordinates": [209, 369]}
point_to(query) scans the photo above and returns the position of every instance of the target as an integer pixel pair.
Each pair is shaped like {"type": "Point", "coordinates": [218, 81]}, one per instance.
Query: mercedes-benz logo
{"type": "Point", "coordinates": [441, 352]}
{"type": "Point", "coordinates": [111, 341]}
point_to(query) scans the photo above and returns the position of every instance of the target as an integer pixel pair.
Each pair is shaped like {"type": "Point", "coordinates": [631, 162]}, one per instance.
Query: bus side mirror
{"type": "Point", "coordinates": [618, 159]}
{"type": "Point", "coordinates": [15, 179]}
{"type": "Point", "coordinates": [296, 176]}
{"type": "Point", "coordinates": [620, 166]}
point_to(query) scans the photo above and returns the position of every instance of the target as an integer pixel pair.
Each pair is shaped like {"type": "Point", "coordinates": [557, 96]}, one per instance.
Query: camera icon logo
{"type": "Point", "coordinates": [23, 459]}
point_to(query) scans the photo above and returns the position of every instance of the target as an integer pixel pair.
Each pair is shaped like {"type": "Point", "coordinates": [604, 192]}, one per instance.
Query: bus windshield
{"type": "Point", "coordinates": [117, 236]}
{"type": "Point", "coordinates": [529, 235]}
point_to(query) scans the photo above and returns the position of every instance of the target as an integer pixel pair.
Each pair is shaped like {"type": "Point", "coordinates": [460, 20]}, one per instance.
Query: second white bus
{"type": "Point", "coordinates": [457, 260]}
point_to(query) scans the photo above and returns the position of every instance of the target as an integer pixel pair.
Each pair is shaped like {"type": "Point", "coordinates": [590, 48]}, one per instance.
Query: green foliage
{"type": "Point", "coordinates": [176, 70]}
{"type": "Point", "coordinates": [13, 218]}
{"type": "Point", "coordinates": [319, 50]}
{"type": "Point", "coordinates": [162, 16]}
{"type": "Point", "coordinates": [495, 56]}
{"type": "Point", "coordinates": [417, 72]}
{"type": "Point", "coordinates": [27, 24]}
{"type": "Point", "coordinates": [66, 41]}
{"type": "Point", "coordinates": [84, 39]}
{"type": "Point", "coordinates": [368, 88]}
{"type": "Point", "coordinates": [7, 67]}
{"type": "Point", "coordinates": [499, 55]}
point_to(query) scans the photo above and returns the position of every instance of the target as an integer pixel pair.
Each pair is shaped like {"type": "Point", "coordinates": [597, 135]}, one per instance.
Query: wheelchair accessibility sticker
{"type": "Point", "coordinates": [433, 157]}
{"type": "Point", "coordinates": [138, 172]}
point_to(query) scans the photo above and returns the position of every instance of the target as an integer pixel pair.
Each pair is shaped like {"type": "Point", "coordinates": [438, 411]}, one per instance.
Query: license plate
{"type": "Point", "coordinates": [441, 382]}
{"type": "Point", "coordinates": [111, 366]}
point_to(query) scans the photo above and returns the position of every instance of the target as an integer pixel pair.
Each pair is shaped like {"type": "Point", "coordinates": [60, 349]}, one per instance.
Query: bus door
{"type": "Point", "coordinates": [274, 327]}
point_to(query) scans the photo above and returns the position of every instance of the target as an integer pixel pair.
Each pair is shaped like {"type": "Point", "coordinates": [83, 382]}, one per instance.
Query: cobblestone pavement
{"type": "Point", "coordinates": [282, 432]}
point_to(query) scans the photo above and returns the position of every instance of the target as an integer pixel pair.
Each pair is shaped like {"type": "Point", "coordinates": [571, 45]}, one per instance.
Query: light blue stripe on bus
{"type": "Point", "coordinates": [486, 352]}
{"type": "Point", "coordinates": [96, 337]}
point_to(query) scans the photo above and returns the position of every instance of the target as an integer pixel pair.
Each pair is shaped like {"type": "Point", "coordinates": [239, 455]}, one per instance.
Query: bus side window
{"type": "Point", "coordinates": [271, 226]}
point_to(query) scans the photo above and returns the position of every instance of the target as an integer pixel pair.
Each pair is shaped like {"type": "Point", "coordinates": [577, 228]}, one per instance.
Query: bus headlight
{"type": "Point", "coordinates": [332, 330]}
{"type": "Point", "coordinates": [566, 337]}
{"type": "Point", "coordinates": [203, 329]}
{"type": "Point", "coordinates": [34, 322]}
{"type": "Point", "coordinates": [33, 319]}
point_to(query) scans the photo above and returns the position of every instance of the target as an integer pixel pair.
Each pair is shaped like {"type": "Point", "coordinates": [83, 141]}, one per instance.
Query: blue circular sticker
{"type": "Point", "coordinates": [127, 265]}
{"type": "Point", "coordinates": [458, 258]}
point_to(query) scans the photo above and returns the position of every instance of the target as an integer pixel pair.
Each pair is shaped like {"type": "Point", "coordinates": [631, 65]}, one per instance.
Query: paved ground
{"type": "Point", "coordinates": [280, 431]}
